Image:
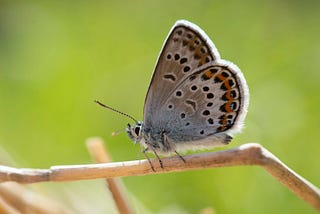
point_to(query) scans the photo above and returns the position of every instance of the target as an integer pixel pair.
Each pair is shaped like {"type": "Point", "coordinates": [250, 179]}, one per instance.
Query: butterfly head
{"type": "Point", "coordinates": [134, 132]}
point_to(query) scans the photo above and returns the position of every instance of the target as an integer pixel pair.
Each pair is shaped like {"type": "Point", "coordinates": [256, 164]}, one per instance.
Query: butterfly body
{"type": "Point", "coordinates": [195, 100]}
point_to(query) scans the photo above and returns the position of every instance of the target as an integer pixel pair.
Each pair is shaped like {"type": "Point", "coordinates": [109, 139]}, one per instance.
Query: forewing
{"type": "Point", "coordinates": [186, 48]}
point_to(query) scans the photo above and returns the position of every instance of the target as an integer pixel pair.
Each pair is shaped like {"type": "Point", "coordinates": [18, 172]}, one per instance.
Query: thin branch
{"type": "Point", "coordinates": [15, 198]}
{"type": "Point", "coordinates": [7, 208]}
{"type": "Point", "coordinates": [247, 154]}
{"type": "Point", "coordinates": [100, 155]}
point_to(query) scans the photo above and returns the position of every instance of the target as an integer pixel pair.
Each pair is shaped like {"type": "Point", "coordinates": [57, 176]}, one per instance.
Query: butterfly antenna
{"type": "Point", "coordinates": [115, 110]}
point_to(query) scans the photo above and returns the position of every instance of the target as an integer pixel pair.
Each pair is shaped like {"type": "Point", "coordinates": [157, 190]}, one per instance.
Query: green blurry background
{"type": "Point", "coordinates": [56, 57]}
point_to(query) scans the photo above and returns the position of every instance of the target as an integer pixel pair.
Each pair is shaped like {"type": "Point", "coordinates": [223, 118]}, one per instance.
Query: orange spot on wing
{"type": "Point", "coordinates": [208, 74]}
{"type": "Point", "coordinates": [221, 77]}
{"type": "Point", "coordinates": [203, 60]}
{"type": "Point", "coordinates": [226, 85]}
{"type": "Point", "coordinates": [228, 106]}
{"type": "Point", "coordinates": [228, 95]}
{"type": "Point", "coordinates": [223, 124]}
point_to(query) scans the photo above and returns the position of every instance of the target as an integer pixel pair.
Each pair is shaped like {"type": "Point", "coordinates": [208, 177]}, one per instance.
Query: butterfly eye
{"type": "Point", "coordinates": [137, 130]}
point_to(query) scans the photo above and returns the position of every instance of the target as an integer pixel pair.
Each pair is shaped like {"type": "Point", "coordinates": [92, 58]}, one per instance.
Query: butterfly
{"type": "Point", "coordinates": [195, 100]}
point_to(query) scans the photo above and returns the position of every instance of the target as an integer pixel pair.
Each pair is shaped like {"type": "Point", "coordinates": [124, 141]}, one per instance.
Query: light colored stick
{"type": "Point", "coordinates": [247, 154]}
{"type": "Point", "coordinates": [6, 208]}
{"type": "Point", "coordinates": [100, 155]}
{"type": "Point", "coordinates": [24, 200]}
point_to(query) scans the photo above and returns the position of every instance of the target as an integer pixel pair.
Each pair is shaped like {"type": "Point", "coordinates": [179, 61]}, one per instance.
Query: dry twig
{"type": "Point", "coordinates": [100, 155]}
{"type": "Point", "coordinates": [15, 198]}
{"type": "Point", "coordinates": [247, 154]}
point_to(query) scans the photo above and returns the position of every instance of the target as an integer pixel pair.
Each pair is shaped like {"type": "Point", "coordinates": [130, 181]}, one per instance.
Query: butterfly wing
{"type": "Point", "coordinates": [207, 107]}
{"type": "Point", "coordinates": [193, 94]}
{"type": "Point", "coordinates": [185, 49]}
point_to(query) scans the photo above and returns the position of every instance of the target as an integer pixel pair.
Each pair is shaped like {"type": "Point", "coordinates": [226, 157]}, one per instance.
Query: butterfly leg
{"type": "Point", "coordinates": [141, 151]}
{"type": "Point", "coordinates": [184, 160]}
{"type": "Point", "coordinates": [159, 159]}
{"type": "Point", "coordinates": [147, 157]}
{"type": "Point", "coordinates": [170, 145]}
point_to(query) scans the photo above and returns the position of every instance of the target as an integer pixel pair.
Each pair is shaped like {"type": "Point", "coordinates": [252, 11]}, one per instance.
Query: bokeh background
{"type": "Point", "coordinates": [56, 57]}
